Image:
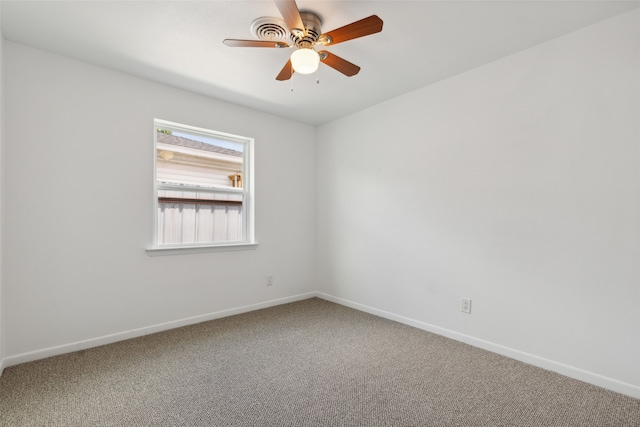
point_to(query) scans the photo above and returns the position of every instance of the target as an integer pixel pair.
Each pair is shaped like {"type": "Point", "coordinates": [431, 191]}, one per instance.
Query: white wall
{"type": "Point", "coordinates": [517, 185]}
{"type": "Point", "coordinates": [1, 201]}
{"type": "Point", "coordinates": [81, 136]}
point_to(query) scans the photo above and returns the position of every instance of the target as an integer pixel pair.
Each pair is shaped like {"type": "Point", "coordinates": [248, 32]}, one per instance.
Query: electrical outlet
{"type": "Point", "coordinates": [269, 279]}
{"type": "Point", "coordinates": [465, 307]}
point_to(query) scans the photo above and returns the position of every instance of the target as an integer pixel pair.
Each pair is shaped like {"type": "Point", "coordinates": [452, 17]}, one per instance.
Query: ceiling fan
{"type": "Point", "coordinates": [303, 30]}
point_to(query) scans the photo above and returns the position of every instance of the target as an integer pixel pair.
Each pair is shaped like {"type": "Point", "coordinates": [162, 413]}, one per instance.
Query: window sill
{"type": "Point", "coordinates": [196, 249]}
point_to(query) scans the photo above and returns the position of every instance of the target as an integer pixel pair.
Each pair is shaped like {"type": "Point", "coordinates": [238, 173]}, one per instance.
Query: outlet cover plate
{"type": "Point", "coordinates": [465, 307]}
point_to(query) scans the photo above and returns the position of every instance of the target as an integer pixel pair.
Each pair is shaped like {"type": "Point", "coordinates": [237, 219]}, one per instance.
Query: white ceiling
{"type": "Point", "coordinates": [180, 43]}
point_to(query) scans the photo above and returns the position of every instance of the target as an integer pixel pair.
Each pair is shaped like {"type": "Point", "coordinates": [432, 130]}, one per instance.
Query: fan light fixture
{"type": "Point", "coordinates": [305, 60]}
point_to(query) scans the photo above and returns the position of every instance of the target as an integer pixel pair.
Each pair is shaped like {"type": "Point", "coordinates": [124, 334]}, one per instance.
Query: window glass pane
{"type": "Point", "coordinates": [191, 159]}
{"type": "Point", "coordinates": [199, 222]}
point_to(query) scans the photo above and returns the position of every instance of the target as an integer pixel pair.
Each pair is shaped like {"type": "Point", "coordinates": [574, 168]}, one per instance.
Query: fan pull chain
{"type": "Point", "coordinates": [318, 76]}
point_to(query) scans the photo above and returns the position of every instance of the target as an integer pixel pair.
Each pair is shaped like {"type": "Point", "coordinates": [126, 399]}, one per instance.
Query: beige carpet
{"type": "Point", "coordinates": [310, 363]}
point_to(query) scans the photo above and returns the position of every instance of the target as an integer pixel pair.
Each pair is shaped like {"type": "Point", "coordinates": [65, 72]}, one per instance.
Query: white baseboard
{"type": "Point", "coordinates": [569, 371]}
{"type": "Point", "coordinates": [134, 333]}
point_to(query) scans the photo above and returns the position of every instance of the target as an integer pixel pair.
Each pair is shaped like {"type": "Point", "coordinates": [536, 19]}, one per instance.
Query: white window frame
{"type": "Point", "coordinates": [248, 218]}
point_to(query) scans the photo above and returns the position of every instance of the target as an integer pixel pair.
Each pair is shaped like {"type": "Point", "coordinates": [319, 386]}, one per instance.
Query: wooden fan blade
{"type": "Point", "coordinates": [289, 11]}
{"type": "Point", "coordinates": [286, 72]}
{"type": "Point", "coordinates": [339, 64]}
{"type": "Point", "coordinates": [361, 28]}
{"type": "Point", "coordinates": [253, 43]}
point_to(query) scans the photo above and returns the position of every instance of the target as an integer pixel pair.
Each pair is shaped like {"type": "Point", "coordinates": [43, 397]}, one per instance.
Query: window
{"type": "Point", "coordinates": [203, 187]}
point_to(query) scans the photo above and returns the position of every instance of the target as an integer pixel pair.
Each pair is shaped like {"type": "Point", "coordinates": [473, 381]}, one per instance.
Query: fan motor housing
{"type": "Point", "coordinates": [312, 30]}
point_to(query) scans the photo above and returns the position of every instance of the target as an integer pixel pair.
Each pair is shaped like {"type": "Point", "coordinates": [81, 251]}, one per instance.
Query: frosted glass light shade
{"type": "Point", "coordinates": [305, 61]}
